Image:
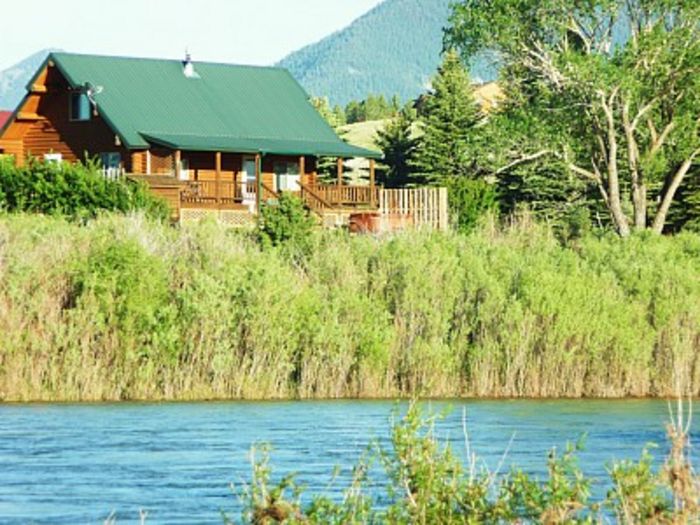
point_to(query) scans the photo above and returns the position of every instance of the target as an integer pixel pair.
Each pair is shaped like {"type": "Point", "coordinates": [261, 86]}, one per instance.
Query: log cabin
{"type": "Point", "coordinates": [206, 137]}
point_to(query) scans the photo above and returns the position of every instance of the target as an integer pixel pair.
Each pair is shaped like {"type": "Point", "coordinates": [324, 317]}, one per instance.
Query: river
{"type": "Point", "coordinates": [72, 464]}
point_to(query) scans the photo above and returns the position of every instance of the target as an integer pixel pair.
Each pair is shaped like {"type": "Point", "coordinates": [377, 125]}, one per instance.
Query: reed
{"type": "Point", "coordinates": [128, 308]}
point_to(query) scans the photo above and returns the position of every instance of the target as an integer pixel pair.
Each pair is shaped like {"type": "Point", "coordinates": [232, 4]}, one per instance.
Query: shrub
{"type": "Point", "coordinates": [423, 481]}
{"type": "Point", "coordinates": [469, 200]}
{"type": "Point", "coordinates": [78, 191]}
{"type": "Point", "coordinates": [288, 222]}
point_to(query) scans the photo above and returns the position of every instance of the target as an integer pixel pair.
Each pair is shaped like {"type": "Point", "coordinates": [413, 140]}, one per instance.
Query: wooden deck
{"type": "Point", "coordinates": [235, 203]}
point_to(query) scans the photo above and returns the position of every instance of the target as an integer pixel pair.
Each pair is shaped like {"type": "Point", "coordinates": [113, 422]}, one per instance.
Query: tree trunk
{"type": "Point", "coordinates": [615, 205]}
{"type": "Point", "coordinates": [639, 201]}
{"type": "Point", "coordinates": [639, 190]}
{"type": "Point", "coordinates": [670, 193]}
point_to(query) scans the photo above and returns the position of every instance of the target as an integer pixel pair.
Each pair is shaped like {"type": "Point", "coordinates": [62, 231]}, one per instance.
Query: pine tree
{"type": "Point", "coordinates": [398, 143]}
{"type": "Point", "coordinates": [395, 106]}
{"type": "Point", "coordinates": [339, 114]}
{"type": "Point", "coordinates": [353, 112]}
{"type": "Point", "coordinates": [450, 115]}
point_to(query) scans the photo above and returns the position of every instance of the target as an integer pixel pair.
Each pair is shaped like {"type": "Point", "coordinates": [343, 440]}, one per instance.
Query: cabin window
{"type": "Point", "coordinates": [111, 160]}
{"type": "Point", "coordinates": [53, 158]}
{"type": "Point", "coordinates": [287, 176]}
{"type": "Point", "coordinates": [79, 107]}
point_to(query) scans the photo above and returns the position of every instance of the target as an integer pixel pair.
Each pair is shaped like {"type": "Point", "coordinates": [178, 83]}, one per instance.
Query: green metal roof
{"type": "Point", "coordinates": [227, 108]}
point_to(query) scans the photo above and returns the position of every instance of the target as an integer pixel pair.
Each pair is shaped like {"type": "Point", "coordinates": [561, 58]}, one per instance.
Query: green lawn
{"type": "Point", "coordinates": [362, 134]}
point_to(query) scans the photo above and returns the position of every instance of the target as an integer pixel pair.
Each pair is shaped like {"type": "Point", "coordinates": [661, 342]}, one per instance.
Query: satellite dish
{"type": "Point", "coordinates": [91, 91]}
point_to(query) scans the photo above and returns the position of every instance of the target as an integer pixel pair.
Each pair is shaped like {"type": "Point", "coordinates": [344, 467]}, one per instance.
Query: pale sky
{"type": "Point", "coordinates": [236, 31]}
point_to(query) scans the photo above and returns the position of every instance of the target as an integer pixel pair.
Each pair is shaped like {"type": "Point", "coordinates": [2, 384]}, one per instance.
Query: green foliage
{"type": "Point", "coordinates": [398, 144]}
{"type": "Point", "coordinates": [287, 223]}
{"type": "Point", "coordinates": [425, 482]}
{"type": "Point", "coordinates": [374, 107]}
{"type": "Point", "coordinates": [74, 190]}
{"type": "Point", "coordinates": [636, 496]}
{"type": "Point", "coordinates": [334, 116]}
{"type": "Point", "coordinates": [450, 116]}
{"type": "Point", "coordinates": [128, 308]}
{"type": "Point", "coordinates": [602, 105]}
{"type": "Point", "coordinates": [469, 200]}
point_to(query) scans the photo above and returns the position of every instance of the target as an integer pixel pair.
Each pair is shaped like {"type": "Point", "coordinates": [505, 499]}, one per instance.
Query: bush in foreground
{"type": "Point", "coordinates": [423, 482]}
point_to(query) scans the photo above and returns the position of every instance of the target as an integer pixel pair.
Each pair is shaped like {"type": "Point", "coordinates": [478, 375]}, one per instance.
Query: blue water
{"type": "Point", "coordinates": [73, 464]}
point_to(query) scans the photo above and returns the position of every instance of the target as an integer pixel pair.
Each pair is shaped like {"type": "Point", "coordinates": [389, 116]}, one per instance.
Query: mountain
{"type": "Point", "coordinates": [14, 79]}
{"type": "Point", "coordinates": [393, 49]}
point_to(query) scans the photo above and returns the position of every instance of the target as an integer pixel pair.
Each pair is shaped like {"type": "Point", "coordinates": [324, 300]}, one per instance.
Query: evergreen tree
{"type": "Point", "coordinates": [398, 143]}
{"type": "Point", "coordinates": [353, 112]}
{"type": "Point", "coordinates": [450, 115]}
{"type": "Point", "coordinates": [324, 109]}
{"type": "Point", "coordinates": [339, 114]}
{"type": "Point", "coordinates": [326, 167]}
{"type": "Point", "coordinates": [395, 106]}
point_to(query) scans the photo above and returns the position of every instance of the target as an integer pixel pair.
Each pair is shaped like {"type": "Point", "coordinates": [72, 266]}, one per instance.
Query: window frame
{"type": "Point", "coordinates": [71, 106]}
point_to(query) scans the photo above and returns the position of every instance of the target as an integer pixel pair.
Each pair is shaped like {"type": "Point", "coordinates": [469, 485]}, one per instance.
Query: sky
{"type": "Point", "coordinates": [236, 31]}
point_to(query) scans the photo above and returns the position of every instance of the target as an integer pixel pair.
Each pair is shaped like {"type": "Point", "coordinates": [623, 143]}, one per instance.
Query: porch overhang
{"type": "Point", "coordinates": [265, 146]}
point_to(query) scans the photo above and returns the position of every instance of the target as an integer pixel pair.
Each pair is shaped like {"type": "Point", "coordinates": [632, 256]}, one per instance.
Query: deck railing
{"type": "Point", "coordinates": [224, 192]}
{"type": "Point", "coordinates": [426, 207]}
{"type": "Point", "coordinates": [113, 173]}
{"type": "Point", "coordinates": [312, 199]}
{"type": "Point", "coordinates": [337, 195]}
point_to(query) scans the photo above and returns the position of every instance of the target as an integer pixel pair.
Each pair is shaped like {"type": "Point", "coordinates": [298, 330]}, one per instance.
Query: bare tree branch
{"type": "Point", "coordinates": [523, 159]}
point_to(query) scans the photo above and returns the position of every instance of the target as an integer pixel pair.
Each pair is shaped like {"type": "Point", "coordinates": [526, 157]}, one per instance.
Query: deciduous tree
{"type": "Point", "coordinates": [614, 85]}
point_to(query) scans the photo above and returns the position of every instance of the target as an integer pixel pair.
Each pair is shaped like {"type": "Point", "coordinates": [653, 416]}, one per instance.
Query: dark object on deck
{"type": "Point", "coordinates": [370, 222]}
{"type": "Point", "coordinates": [366, 222]}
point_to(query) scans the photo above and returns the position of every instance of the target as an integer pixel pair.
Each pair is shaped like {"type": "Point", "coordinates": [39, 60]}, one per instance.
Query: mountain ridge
{"type": "Point", "coordinates": [375, 53]}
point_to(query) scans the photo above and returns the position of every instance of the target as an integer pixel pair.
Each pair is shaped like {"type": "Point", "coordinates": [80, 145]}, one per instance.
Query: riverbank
{"type": "Point", "coordinates": [126, 308]}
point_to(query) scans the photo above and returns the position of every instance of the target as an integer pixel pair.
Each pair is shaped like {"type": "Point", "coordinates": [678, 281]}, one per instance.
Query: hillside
{"type": "Point", "coordinates": [364, 134]}
{"type": "Point", "coordinates": [14, 79]}
{"type": "Point", "coordinates": [393, 49]}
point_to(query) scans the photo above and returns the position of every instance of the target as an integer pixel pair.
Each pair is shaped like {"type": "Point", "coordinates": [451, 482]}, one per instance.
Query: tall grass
{"type": "Point", "coordinates": [128, 308]}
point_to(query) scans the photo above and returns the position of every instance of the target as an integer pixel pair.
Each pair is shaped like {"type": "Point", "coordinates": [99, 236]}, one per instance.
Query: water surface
{"type": "Point", "coordinates": [72, 464]}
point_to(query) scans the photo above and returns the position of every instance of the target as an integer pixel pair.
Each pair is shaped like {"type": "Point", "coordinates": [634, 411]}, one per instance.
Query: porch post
{"type": "Point", "coordinates": [340, 171]}
{"type": "Point", "coordinates": [340, 179]}
{"type": "Point", "coordinates": [258, 182]}
{"type": "Point", "coordinates": [302, 168]}
{"type": "Point", "coordinates": [178, 165]}
{"type": "Point", "coordinates": [371, 182]}
{"type": "Point", "coordinates": [218, 176]}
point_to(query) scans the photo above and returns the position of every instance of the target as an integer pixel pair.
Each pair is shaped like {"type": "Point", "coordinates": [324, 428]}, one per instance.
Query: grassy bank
{"type": "Point", "coordinates": [125, 308]}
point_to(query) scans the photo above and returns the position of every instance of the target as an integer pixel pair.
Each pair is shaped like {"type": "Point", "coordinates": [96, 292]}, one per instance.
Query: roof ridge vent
{"type": "Point", "coordinates": [188, 67]}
